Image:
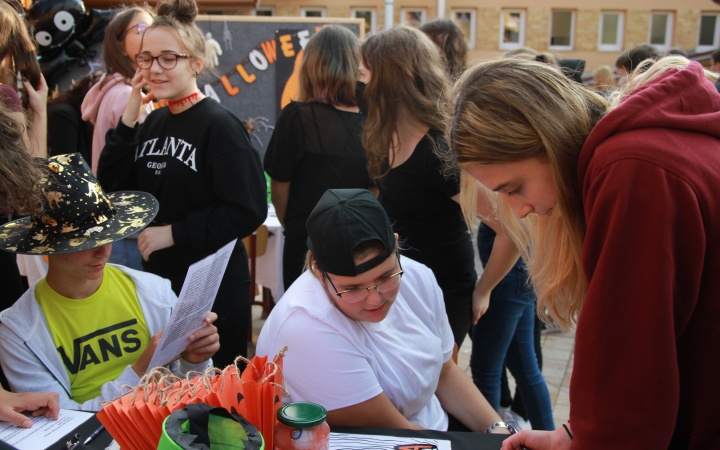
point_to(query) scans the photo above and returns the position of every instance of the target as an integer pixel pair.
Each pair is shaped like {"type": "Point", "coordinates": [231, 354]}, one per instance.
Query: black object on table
{"type": "Point", "coordinates": [85, 430]}
{"type": "Point", "coordinates": [459, 440]}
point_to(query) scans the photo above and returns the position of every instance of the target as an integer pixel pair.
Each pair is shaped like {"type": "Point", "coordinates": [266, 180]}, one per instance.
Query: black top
{"type": "Point", "coordinates": [205, 173]}
{"type": "Point", "coordinates": [315, 147]}
{"type": "Point", "coordinates": [67, 132]}
{"type": "Point", "coordinates": [418, 198]}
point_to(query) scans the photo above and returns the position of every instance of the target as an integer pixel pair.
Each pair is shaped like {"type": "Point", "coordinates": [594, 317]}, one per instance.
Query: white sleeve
{"type": "Point", "coordinates": [323, 366]}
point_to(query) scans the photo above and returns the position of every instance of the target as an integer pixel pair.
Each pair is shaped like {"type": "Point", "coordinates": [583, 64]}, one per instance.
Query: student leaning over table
{"type": "Point", "coordinates": [87, 328]}
{"type": "Point", "coordinates": [377, 353]}
{"type": "Point", "coordinates": [616, 203]}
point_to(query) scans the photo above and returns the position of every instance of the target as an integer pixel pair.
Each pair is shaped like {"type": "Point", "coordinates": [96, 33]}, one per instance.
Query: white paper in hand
{"type": "Point", "coordinates": [194, 303]}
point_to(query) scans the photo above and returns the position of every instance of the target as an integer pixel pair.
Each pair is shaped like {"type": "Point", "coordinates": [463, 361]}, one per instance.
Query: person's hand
{"type": "Point", "coordinates": [204, 343]}
{"type": "Point", "coordinates": [137, 101]}
{"type": "Point", "coordinates": [44, 403]}
{"type": "Point", "coordinates": [37, 98]}
{"type": "Point", "coordinates": [153, 239]}
{"type": "Point", "coordinates": [480, 303]}
{"type": "Point", "coordinates": [538, 440]}
{"type": "Point", "coordinates": [141, 365]}
{"type": "Point", "coordinates": [37, 104]}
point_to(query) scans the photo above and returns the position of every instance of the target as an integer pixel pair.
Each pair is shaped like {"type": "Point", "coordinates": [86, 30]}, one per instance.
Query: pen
{"type": "Point", "coordinates": [93, 435]}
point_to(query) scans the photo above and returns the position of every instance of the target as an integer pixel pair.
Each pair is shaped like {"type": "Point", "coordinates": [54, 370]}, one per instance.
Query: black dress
{"type": "Point", "coordinates": [417, 197]}
{"type": "Point", "coordinates": [315, 147]}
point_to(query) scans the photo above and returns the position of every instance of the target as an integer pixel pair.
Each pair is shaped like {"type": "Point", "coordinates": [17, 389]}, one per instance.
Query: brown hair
{"type": "Point", "coordinates": [532, 55]}
{"type": "Point", "coordinates": [115, 57]}
{"type": "Point", "coordinates": [15, 42]}
{"type": "Point", "coordinates": [451, 41]}
{"type": "Point", "coordinates": [490, 121]}
{"type": "Point", "coordinates": [409, 83]}
{"type": "Point", "coordinates": [178, 16]}
{"type": "Point", "coordinates": [20, 174]}
{"type": "Point", "coordinates": [329, 67]}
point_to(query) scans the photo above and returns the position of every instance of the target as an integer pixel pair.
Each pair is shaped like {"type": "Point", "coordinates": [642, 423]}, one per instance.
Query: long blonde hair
{"type": "Point", "coordinates": [511, 110]}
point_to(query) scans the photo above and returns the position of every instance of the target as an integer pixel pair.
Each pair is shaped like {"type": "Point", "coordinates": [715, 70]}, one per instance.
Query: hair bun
{"type": "Point", "coordinates": [183, 11]}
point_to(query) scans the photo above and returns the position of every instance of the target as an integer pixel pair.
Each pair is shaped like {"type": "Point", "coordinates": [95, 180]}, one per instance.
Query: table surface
{"type": "Point", "coordinates": [459, 440]}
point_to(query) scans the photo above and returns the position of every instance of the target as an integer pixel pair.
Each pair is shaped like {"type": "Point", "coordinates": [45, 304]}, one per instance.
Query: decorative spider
{"type": "Point", "coordinates": [254, 125]}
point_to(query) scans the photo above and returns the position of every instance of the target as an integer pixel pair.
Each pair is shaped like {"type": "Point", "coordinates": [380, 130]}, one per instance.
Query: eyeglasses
{"type": "Point", "coordinates": [141, 28]}
{"type": "Point", "coordinates": [167, 61]}
{"type": "Point", "coordinates": [358, 295]}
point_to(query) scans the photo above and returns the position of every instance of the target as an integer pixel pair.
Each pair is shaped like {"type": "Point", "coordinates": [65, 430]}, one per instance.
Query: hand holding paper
{"type": "Point", "coordinates": [190, 314]}
{"type": "Point", "coordinates": [204, 343]}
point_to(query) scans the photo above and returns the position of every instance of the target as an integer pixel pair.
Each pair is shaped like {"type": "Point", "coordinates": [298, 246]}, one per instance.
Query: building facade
{"type": "Point", "coordinates": [597, 32]}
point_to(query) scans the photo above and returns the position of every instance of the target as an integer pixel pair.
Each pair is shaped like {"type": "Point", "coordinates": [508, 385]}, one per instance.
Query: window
{"type": "Point", "coordinates": [413, 17]}
{"type": "Point", "coordinates": [661, 30]}
{"type": "Point", "coordinates": [611, 31]}
{"type": "Point", "coordinates": [562, 29]}
{"type": "Point", "coordinates": [708, 38]}
{"type": "Point", "coordinates": [312, 12]}
{"type": "Point", "coordinates": [266, 12]}
{"type": "Point", "coordinates": [465, 19]}
{"type": "Point", "coordinates": [512, 29]}
{"type": "Point", "coordinates": [370, 17]}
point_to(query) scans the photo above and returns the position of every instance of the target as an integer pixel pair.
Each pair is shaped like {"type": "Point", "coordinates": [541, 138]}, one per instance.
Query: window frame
{"type": "Point", "coordinates": [573, 19]}
{"type": "Point", "coordinates": [404, 11]}
{"type": "Point", "coordinates": [473, 24]}
{"type": "Point", "coordinates": [305, 9]}
{"type": "Point", "coordinates": [523, 23]}
{"type": "Point", "coordinates": [620, 35]}
{"type": "Point", "coordinates": [716, 39]}
{"type": "Point", "coordinates": [264, 8]}
{"type": "Point", "coordinates": [373, 16]}
{"type": "Point", "coordinates": [669, 28]}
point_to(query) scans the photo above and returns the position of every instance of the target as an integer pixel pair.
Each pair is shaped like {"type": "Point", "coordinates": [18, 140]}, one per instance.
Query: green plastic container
{"type": "Point", "coordinates": [216, 428]}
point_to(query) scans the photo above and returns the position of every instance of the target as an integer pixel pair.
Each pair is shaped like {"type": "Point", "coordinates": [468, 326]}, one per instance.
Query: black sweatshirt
{"type": "Point", "coordinates": [202, 168]}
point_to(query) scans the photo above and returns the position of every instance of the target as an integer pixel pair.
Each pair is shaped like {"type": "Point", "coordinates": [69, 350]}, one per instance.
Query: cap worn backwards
{"type": "Point", "coordinates": [343, 219]}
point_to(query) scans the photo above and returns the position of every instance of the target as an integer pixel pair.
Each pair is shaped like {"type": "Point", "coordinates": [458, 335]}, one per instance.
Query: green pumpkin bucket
{"type": "Point", "coordinates": [203, 427]}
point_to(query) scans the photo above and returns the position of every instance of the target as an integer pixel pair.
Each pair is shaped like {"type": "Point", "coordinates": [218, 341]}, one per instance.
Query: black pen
{"type": "Point", "coordinates": [93, 435]}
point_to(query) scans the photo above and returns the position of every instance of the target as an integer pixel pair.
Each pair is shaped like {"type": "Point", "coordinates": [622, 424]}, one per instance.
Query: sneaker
{"type": "Point", "coordinates": [514, 419]}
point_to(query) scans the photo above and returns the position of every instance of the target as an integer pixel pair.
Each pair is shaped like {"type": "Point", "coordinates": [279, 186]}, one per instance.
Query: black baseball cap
{"type": "Point", "coordinates": [343, 219]}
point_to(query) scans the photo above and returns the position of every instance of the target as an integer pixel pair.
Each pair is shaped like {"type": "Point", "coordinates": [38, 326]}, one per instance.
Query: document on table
{"type": "Point", "coordinates": [194, 303]}
{"type": "Point", "coordinates": [44, 432]}
{"type": "Point", "coordinates": [345, 441]}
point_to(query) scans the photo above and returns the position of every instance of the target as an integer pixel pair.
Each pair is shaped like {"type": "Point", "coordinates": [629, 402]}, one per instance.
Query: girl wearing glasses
{"type": "Point", "coordinates": [196, 158]}
{"type": "Point", "coordinates": [106, 101]}
{"type": "Point", "coordinates": [367, 332]}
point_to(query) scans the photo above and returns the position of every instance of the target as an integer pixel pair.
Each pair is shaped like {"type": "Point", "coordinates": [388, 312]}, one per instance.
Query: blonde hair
{"type": "Point", "coordinates": [491, 119]}
{"type": "Point", "coordinates": [603, 78]}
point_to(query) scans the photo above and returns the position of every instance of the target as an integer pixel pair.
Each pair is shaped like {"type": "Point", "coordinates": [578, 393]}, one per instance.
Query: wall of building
{"type": "Point", "coordinates": [686, 18]}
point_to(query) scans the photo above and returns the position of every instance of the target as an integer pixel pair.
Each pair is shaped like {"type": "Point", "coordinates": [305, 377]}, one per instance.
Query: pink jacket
{"type": "Point", "coordinates": [104, 107]}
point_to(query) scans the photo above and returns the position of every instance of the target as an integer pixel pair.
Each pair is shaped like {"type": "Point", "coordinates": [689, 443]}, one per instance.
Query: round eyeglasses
{"type": "Point", "coordinates": [140, 27]}
{"type": "Point", "coordinates": [358, 295]}
{"type": "Point", "coordinates": [167, 61]}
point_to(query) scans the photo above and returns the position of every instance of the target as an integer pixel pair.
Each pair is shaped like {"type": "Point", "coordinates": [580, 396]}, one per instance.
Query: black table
{"type": "Point", "coordinates": [459, 440]}
{"type": "Point", "coordinates": [85, 430]}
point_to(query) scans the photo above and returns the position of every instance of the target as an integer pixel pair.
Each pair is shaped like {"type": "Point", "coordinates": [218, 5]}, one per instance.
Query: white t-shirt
{"type": "Point", "coordinates": [337, 362]}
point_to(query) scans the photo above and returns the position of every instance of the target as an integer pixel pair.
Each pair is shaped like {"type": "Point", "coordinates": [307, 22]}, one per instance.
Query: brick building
{"type": "Point", "coordinates": [591, 30]}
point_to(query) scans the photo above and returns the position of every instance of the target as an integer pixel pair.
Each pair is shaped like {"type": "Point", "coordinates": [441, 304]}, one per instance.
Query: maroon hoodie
{"type": "Point", "coordinates": [647, 355]}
